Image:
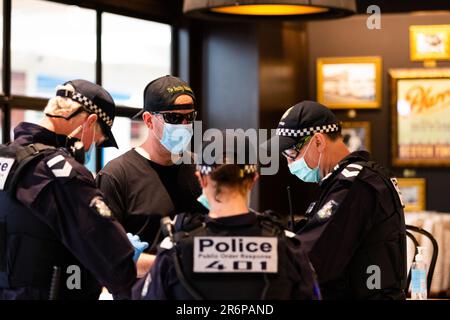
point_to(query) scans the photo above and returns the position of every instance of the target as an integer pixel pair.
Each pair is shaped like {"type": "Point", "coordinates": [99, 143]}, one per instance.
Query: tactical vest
{"type": "Point", "coordinates": [391, 250]}
{"type": "Point", "coordinates": [29, 248]}
{"type": "Point", "coordinates": [215, 286]}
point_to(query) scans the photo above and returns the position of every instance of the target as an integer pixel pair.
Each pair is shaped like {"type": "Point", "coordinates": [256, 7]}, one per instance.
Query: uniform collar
{"type": "Point", "coordinates": [26, 133]}
{"type": "Point", "coordinates": [237, 220]}
{"type": "Point", "coordinates": [352, 157]}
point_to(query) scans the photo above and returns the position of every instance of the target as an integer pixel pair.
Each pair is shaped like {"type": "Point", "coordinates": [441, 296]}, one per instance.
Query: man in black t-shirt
{"type": "Point", "coordinates": [144, 184]}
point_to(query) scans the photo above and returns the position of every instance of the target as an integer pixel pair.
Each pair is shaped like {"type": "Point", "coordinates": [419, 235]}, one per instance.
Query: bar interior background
{"type": "Point", "coordinates": [245, 73]}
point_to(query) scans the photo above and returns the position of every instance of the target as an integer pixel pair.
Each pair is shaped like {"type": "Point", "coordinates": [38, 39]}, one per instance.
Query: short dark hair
{"type": "Point", "coordinates": [232, 176]}
{"type": "Point", "coordinates": [333, 136]}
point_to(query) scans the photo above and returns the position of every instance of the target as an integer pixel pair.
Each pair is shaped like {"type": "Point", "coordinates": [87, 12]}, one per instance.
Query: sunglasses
{"type": "Point", "coordinates": [177, 118]}
{"type": "Point", "coordinates": [293, 152]}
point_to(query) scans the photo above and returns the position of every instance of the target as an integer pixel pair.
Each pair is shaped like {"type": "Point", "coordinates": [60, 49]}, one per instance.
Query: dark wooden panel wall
{"type": "Point", "coordinates": [246, 76]}
{"type": "Point", "coordinates": [283, 82]}
{"type": "Point", "coordinates": [224, 75]}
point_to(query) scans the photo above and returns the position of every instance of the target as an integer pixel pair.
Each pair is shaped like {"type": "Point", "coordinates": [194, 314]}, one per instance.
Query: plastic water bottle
{"type": "Point", "coordinates": [419, 276]}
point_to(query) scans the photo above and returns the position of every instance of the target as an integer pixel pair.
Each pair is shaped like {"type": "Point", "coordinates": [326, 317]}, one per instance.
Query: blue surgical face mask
{"type": "Point", "coordinates": [202, 199]}
{"type": "Point", "coordinates": [176, 137]}
{"type": "Point", "coordinates": [300, 169]}
{"type": "Point", "coordinates": [89, 154]}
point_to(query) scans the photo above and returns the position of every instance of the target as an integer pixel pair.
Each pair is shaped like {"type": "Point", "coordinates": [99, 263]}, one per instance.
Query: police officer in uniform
{"type": "Point", "coordinates": [57, 237]}
{"type": "Point", "coordinates": [153, 180]}
{"type": "Point", "coordinates": [355, 233]}
{"type": "Point", "coordinates": [233, 252]}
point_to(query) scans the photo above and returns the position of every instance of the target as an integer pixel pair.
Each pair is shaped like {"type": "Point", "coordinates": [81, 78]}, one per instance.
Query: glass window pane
{"type": "Point", "coordinates": [50, 43]}
{"type": "Point", "coordinates": [22, 115]}
{"type": "Point", "coordinates": [128, 134]}
{"type": "Point", "coordinates": [134, 52]}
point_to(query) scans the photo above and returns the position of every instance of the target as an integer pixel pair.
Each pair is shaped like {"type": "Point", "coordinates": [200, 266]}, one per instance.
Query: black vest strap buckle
{"type": "Point", "coordinates": [33, 149]}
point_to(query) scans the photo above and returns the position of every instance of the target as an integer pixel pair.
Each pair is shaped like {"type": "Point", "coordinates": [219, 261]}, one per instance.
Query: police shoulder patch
{"type": "Point", "coordinates": [60, 167]}
{"type": "Point", "coordinates": [351, 171]}
{"type": "Point", "coordinates": [327, 209]}
{"type": "Point", "coordinates": [100, 206]}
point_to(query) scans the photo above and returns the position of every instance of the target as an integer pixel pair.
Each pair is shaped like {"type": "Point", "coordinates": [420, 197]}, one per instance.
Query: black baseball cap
{"type": "Point", "coordinates": [96, 100]}
{"type": "Point", "coordinates": [301, 120]}
{"type": "Point", "coordinates": [161, 93]}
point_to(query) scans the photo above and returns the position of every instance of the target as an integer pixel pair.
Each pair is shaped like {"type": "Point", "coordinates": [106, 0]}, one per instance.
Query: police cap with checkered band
{"type": "Point", "coordinates": [229, 147]}
{"type": "Point", "coordinates": [96, 100]}
{"type": "Point", "coordinates": [304, 119]}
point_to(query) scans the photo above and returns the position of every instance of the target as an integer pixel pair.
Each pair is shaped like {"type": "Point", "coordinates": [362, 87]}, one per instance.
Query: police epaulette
{"type": "Point", "coordinates": [351, 171]}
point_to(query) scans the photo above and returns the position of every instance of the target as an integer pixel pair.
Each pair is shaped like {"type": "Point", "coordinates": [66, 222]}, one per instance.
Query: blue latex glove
{"type": "Point", "coordinates": [138, 245]}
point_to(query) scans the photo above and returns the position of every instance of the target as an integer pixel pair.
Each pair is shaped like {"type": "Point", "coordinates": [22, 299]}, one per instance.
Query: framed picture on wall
{"type": "Point", "coordinates": [356, 135]}
{"type": "Point", "coordinates": [413, 193]}
{"type": "Point", "coordinates": [420, 105]}
{"type": "Point", "coordinates": [349, 82]}
{"type": "Point", "coordinates": [430, 42]}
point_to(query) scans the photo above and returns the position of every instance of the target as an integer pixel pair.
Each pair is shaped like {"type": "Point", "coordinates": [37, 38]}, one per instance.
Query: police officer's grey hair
{"type": "Point", "coordinates": [62, 106]}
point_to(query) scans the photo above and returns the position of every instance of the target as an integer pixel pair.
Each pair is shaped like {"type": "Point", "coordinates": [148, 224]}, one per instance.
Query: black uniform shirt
{"type": "Point", "coordinates": [295, 278]}
{"type": "Point", "coordinates": [355, 224]}
{"type": "Point", "coordinates": [62, 194]}
{"type": "Point", "coordinates": [140, 192]}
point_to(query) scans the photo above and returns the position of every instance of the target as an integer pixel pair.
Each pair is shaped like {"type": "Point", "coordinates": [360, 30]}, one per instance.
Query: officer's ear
{"type": "Point", "coordinates": [147, 117]}
{"type": "Point", "coordinates": [91, 119]}
{"type": "Point", "coordinates": [320, 142]}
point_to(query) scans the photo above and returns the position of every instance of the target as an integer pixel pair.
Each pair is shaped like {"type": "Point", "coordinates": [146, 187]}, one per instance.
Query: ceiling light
{"type": "Point", "coordinates": [269, 8]}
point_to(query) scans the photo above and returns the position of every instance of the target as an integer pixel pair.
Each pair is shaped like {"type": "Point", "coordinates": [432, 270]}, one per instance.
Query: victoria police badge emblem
{"type": "Point", "coordinates": [100, 206]}
{"type": "Point", "coordinates": [327, 210]}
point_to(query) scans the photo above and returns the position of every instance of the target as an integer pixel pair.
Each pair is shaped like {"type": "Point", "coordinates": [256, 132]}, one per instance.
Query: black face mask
{"type": "Point", "coordinates": [75, 146]}
{"type": "Point", "coordinates": [76, 149]}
